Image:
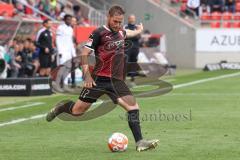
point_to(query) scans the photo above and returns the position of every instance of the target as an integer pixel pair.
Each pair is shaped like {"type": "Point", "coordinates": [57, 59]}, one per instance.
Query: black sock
{"type": "Point", "coordinates": [67, 108]}
{"type": "Point", "coordinates": [134, 124]}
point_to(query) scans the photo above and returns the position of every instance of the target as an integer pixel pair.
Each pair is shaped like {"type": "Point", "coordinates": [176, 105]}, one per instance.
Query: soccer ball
{"type": "Point", "coordinates": [118, 142]}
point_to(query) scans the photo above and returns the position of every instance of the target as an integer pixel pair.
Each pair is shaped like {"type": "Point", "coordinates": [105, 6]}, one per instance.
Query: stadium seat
{"type": "Point", "coordinates": [184, 1]}
{"type": "Point", "coordinates": [183, 7]}
{"type": "Point", "coordinates": [6, 9]}
{"type": "Point", "coordinates": [236, 16]}
{"type": "Point", "coordinates": [216, 16]}
{"type": "Point", "coordinates": [215, 24]}
{"type": "Point", "coordinates": [238, 7]}
{"type": "Point", "coordinates": [205, 16]}
{"type": "Point", "coordinates": [236, 25]}
{"type": "Point", "coordinates": [227, 16]}
{"type": "Point", "coordinates": [226, 25]}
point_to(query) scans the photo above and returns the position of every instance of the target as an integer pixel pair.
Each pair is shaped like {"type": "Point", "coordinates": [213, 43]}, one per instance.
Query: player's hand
{"type": "Point", "coordinates": [140, 27]}
{"type": "Point", "coordinates": [89, 82]}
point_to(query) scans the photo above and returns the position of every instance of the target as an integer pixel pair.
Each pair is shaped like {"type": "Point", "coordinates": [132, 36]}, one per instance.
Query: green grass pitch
{"type": "Point", "coordinates": [207, 126]}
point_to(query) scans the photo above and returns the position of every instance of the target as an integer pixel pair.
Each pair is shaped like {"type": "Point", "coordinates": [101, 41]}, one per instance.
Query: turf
{"type": "Point", "coordinates": [195, 122]}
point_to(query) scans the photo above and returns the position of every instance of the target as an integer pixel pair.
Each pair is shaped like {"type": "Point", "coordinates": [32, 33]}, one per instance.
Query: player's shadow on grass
{"type": "Point", "coordinates": [106, 105]}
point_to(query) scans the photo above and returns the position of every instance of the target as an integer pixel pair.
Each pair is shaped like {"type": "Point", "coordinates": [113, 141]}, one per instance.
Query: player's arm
{"type": "Point", "coordinates": [88, 48]}
{"type": "Point", "coordinates": [88, 80]}
{"type": "Point", "coordinates": [131, 33]}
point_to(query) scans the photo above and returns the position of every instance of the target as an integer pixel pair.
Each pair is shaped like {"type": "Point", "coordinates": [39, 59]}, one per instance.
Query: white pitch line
{"type": "Point", "coordinates": [28, 99]}
{"type": "Point", "coordinates": [204, 94]}
{"type": "Point", "coordinates": [23, 106]}
{"type": "Point", "coordinates": [22, 120]}
{"type": "Point", "coordinates": [175, 87]}
{"type": "Point", "coordinates": [205, 80]}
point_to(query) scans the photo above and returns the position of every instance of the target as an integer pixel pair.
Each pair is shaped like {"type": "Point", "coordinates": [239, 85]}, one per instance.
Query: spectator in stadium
{"type": "Point", "coordinates": [133, 43]}
{"type": "Point", "coordinates": [46, 7]}
{"type": "Point", "coordinates": [74, 22]}
{"type": "Point", "coordinates": [3, 63]}
{"type": "Point", "coordinates": [53, 4]}
{"type": "Point", "coordinates": [13, 48]}
{"type": "Point", "coordinates": [19, 9]}
{"type": "Point", "coordinates": [35, 57]}
{"type": "Point", "coordinates": [84, 22]}
{"type": "Point", "coordinates": [53, 13]}
{"type": "Point", "coordinates": [62, 13]}
{"type": "Point", "coordinates": [217, 5]}
{"type": "Point", "coordinates": [27, 58]}
{"type": "Point", "coordinates": [193, 5]}
{"type": "Point", "coordinates": [28, 10]}
{"type": "Point", "coordinates": [204, 7]}
{"type": "Point", "coordinates": [17, 69]}
{"type": "Point", "coordinates": [77, 13]}
{"type": "Point", "coordinates": [44, 42]}
{"type": "Point", "coordinates": [230, 5]}
{"type": "Point", "coordinates": [65, 42]}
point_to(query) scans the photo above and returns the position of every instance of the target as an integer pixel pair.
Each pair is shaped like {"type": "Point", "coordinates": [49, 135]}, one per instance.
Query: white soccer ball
{"type": "Point", "coordinates": [118, 142]}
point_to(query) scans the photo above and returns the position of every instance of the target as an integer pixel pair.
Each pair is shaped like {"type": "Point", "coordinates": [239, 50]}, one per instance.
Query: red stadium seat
{"type": "Point", "coordinates": [6, 9]}
{"type": "Point", "coordinates": [183, 7]}
{"type": "Point", "coordinates": [205, 16]}
{"type": "Point", "coordinates": [238, 7]}
{"type": "Point", "coordinates": [184, 1]}
{"type": "Point", "coordinates": [216, 16]}
{"type": "Point", "coordinates": [215, 24]}
{"type": "Point", "coordinates": [227, 25]}
{"type": "Point", "coordinates": [236, 16]}
{"type": "Point", "coordinates": [227, 16]}
{"type": "Point", "coordinates": [236, 25]}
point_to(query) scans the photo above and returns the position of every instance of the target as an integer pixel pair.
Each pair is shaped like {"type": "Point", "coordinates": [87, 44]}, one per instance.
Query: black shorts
{"type": "Point", "coordinates": [112, 87]}
{"type": "Point", "coordinates": [45, 60]}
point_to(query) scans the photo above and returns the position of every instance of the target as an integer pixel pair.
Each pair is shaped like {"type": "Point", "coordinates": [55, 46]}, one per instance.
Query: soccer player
{"type": "Point", "coordinates": [107, 42]}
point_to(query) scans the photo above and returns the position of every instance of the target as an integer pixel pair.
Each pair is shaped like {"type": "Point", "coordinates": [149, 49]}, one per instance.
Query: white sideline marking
{"type": "Point", "coordinates": [22, 120]}
{"type": "Point", "coordinates": [23, 106]}
{"type": "Point", "coordinates": [175, 87]}
{"type": "Point", "coordinates": [28, 99]}
{"type": "Point", "coordinates": [205, 80]}
{"type": "Point", "coordinates": [204, 94]}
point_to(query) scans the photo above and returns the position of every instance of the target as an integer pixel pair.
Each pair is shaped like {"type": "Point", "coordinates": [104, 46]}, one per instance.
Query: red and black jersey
{"type": "Point", "coordinates": [108, 47]}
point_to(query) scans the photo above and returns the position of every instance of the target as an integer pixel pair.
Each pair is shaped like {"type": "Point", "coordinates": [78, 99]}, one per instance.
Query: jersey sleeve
{"type": "Point", "coordinates": [93, 40]}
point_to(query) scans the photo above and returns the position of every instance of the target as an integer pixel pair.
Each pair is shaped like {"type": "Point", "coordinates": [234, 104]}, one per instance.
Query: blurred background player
{"type": "Point", "coordinates": [108, 44]}
{"type": "Point", "coordinates": [133, 49]}
{"type": "Point", "coordinates": [65, 42]}
{"type": "Point", "coordinates": [44, 42]}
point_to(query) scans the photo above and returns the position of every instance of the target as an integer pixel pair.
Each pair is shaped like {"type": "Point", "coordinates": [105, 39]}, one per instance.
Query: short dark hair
{"type": "Point", "coordinates": [28, 39]}
{"type": "Point", "coordinates": [116, 10]}
{"type": "Point", "coordinates": [67, 16]}
{"type": "Point", "coordinates": [76, 8]}
{"type": "Point", "coordinates": [46, 21]}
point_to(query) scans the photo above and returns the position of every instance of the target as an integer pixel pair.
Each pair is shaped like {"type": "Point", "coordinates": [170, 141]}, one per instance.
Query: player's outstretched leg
{"type": "Point", "coordinates": [129, 104]}
{"type": "Point", "coordinates": [62, 106]}
{"type": "Point", "coordinates": [68, 106]}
